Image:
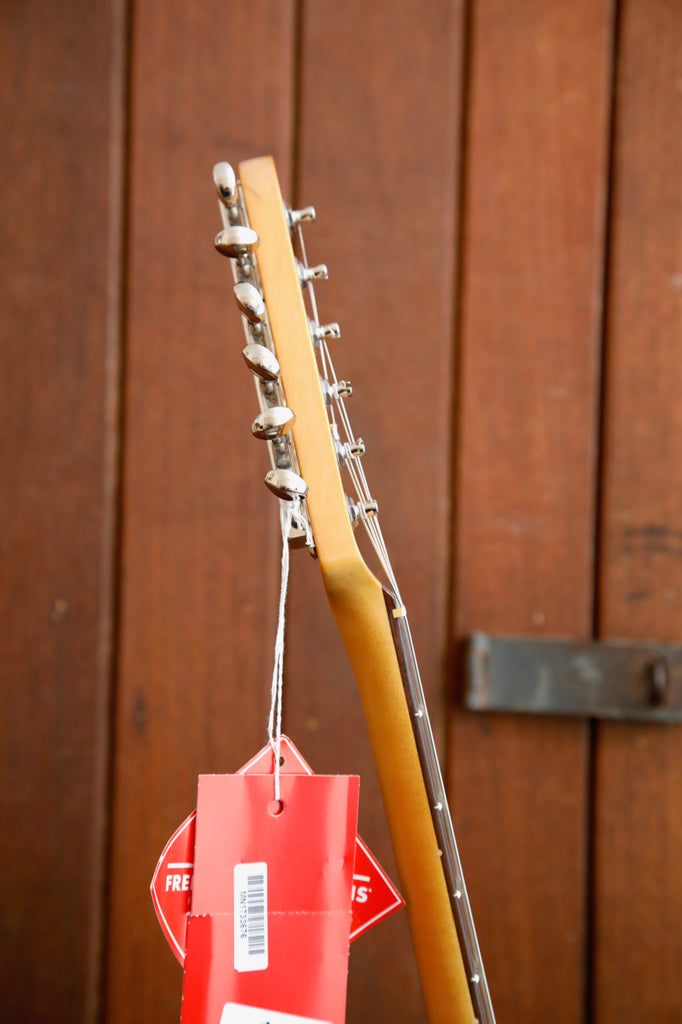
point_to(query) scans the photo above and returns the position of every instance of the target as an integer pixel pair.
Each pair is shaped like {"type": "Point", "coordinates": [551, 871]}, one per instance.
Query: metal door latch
{"type": "Point", "coordinates": [639, 681]}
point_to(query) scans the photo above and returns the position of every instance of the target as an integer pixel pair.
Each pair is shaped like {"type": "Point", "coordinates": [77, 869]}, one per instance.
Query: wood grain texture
{"type": "Point", "coordinates": [638, 889]}
{"type": "Point", "coordinates": [530, 338]}
{"type": "Point", "coordinates": [199, 560]}
{"type": "Point", "coordinates": [379, 131]}
{"type": "Point", "coordinates": [60, 105]}
{"type": "Point", "coordinates": [366, 126]}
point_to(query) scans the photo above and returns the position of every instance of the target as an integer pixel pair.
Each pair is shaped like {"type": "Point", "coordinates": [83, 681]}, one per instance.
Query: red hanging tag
{"type": "Point", "coordinates": [171, 886]}
{"type": "Point", "coordinates": [270, 918]}
{"type": "Point", "coordinates": [374, 894]}
{"type": "Point", "coordinates": [235, 1014]}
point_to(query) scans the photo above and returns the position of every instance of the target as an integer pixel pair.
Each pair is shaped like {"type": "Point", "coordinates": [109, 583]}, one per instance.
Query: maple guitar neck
{"type": "Point", "coordinates": [305, 453]}
{"type": "Point", "coordinates": [377, 636]}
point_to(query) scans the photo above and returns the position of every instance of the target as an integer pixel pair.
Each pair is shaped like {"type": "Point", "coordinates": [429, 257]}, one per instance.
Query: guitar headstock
{"type": "Point", "coordinates": [314, 455]}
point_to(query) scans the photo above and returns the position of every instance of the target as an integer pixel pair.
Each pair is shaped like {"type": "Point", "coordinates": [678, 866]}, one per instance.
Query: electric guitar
{"type": "Point", "coordinates": [313, 451]}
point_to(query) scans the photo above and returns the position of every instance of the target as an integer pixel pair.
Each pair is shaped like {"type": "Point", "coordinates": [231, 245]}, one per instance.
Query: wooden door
{"type": "Point", "coordinates": [497, 187]}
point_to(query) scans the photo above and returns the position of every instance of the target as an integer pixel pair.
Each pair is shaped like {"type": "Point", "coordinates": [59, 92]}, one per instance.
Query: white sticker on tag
{"type": "Point", "coordinates": [235, 1014]}
{"type": "Point", "coordinates": [250, 917]}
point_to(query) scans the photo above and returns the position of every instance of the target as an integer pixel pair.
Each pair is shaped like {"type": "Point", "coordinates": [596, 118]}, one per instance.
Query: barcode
{"type": "Point", "coordinates": [255, 914]}
{"type": "Point", "coordinates": [250, 917]}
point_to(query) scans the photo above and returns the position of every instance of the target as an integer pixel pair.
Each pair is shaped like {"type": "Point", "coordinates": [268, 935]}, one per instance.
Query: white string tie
{"type": "Point", "coordinates": [287, 511]}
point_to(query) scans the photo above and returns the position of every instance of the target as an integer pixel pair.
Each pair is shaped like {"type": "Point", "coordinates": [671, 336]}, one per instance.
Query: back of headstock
{"type": "Point", "coordinates": [303, 417]}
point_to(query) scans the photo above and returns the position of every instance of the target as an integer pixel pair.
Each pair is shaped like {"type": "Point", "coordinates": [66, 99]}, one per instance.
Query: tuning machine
{"type": "Point", "coordinates": [273, 422]}
{"type": "Point", "coordinates": [304, 216]}
{"type": "Point", "coordinates": [237, 241]}
{"type": "Point", "coordinates": [262, 362]}
{"type": "Point", "coordinates": [322, 332]}
{"type": "Point", "coordinates": [250, 302]}
{"type": "Point", "coordinates": [332, 392]}
{"type": "Point", "coordinates": [308, 274]}
{"type": "Point", "coordinates": [362, 510]}
{"type": "Point", "coordinates": [225, 181]}
{"type": "Point", "coordinates": [286, 484]}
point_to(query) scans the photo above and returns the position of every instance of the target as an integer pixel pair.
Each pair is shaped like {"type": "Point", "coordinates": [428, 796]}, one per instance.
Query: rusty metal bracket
{"type": "Point", "coordinates": [618, 680]}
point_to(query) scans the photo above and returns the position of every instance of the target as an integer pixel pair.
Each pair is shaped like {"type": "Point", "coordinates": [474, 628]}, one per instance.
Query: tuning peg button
{"type": "Point", "coordinates": [261, 361]}
{"type": "Point", "coordinates": [286, 484]}
{"type": "Point", "coordinates": [236, 241]}
{"type": "Point", "coordinates": [250, 301]}
{"type": "Point", "coordinates": [225, 181]}
{"type": "Point", "coordinates": [272, 423]}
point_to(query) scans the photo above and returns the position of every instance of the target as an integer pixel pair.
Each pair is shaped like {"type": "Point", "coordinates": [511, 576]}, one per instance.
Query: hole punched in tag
{"type": "Point", "coordinates": [275, 808]}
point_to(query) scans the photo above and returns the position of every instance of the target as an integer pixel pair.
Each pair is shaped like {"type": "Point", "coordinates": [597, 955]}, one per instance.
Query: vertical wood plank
{"type": "Point", "coordinates": [61, 109]}
{"type": "Point", "coordinates": [379, 132]}
{"type": "Point", "coordinates": [209, 82]}
{"type": "Point", "coordinates": [536, 156]}
{"type": "Point", "coordinates": [638, 888]}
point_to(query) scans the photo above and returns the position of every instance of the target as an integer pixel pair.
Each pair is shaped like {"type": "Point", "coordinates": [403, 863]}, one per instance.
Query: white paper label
{"type": "Point", "coordinates": [234, 1014]}
{"type": "Point", "coordinates": [250, 918]}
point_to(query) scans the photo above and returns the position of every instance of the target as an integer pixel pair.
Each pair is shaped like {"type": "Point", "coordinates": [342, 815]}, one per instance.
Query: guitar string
{"type": "Point", "coordinates": [352, 463]}
{"type": "Point", "coordinates": [461, 907]}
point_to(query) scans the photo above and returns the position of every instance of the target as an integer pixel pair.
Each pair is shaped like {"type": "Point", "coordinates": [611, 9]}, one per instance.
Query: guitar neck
{"type": "Point", "coordinates": [282, 334]}
{"type": "Point", "coordinates": [441, 924]}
